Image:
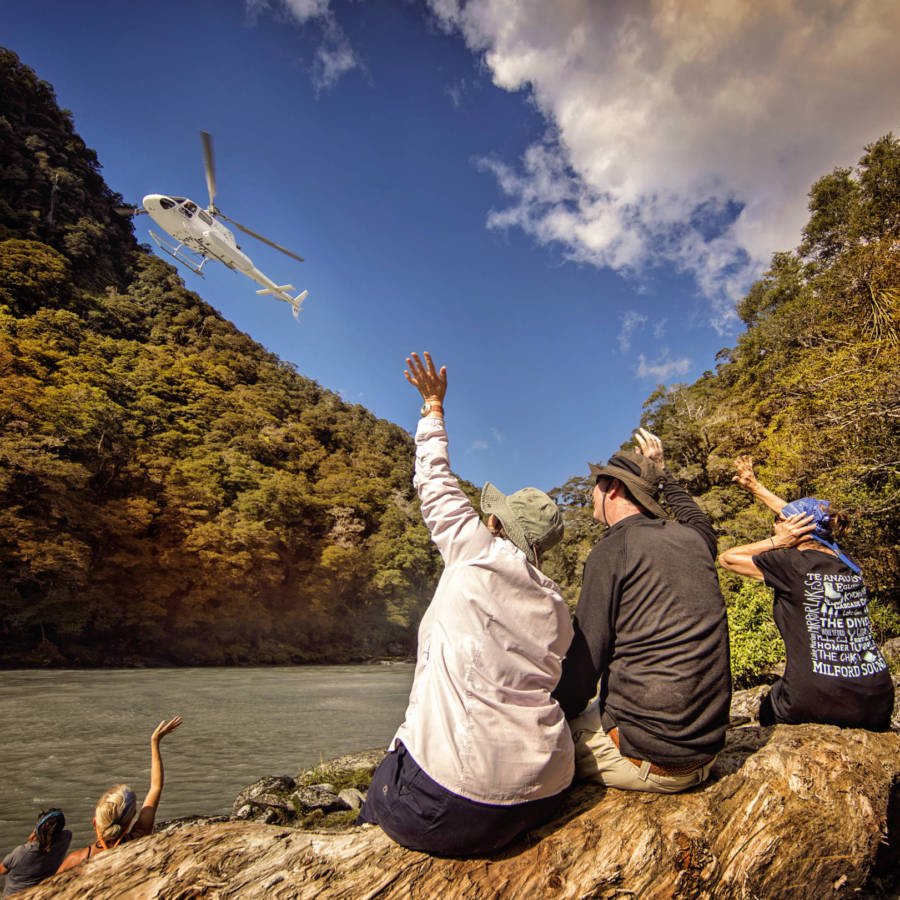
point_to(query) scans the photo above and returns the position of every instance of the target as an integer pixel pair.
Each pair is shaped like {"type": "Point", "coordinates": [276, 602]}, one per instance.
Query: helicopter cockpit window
{"type": "Point", "coordinates": [189, 208]}
{"type": "Point", "coordinates": [205, 217]}
{"type": "Point", "coordinates": [165, 203]}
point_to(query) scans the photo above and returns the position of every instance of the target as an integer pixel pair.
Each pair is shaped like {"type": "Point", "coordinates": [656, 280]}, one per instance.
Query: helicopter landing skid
{"type": "Point", "coordinates": [181, 253]}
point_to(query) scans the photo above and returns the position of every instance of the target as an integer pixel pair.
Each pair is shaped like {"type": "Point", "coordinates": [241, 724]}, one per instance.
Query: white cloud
{"type": "Point", "coordinates": [303, 10]}
{"type": "Point", "coordinates": [662, 368]}
{"type": "Point", "coordinates": [682, 131]}
{"type": "Point", "coordinates": [457, 92]}
{"type": "Point", "coordinates": [631, 322]}
{"type": "Point", "coordinates": [482, 444]}
{"type": "Point", "coordinates": [334, 57]}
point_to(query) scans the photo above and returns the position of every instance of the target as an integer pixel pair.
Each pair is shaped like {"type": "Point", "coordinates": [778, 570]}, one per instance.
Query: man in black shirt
{"type": "Point", "coordinates": [650, 628]}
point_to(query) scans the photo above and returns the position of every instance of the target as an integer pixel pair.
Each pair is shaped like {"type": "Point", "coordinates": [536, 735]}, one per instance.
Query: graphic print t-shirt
{"type": "Point", "coordinates": [835, 673]}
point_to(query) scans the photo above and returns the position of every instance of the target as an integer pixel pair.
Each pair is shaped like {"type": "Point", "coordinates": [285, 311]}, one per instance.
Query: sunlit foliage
{"type": "Point", "coordinates": [811, 390]}
{"type": "Point", "coordinates": [172, 493]}
{"type": "Point", "coordinates": [169, 491]}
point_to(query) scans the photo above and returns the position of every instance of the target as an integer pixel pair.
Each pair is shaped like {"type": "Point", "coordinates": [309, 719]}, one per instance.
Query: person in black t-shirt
{"type": "Point", "coordinates": [651, 634]}
{"type": "Point", "coordinates": [835, 673]}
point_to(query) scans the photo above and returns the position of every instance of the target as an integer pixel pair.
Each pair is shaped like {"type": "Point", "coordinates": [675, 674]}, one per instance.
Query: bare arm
{"type": "Point", "coordinates": [747, 479]}
{"type": "Point", "coordinates": [75, 858]}
{"type": "Point", "coordinates": [147, 816]}
{"type": "Point", "coordinates": [789, 533]}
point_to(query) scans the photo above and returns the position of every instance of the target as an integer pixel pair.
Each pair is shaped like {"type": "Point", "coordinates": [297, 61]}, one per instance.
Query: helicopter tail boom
{"type": "Point", "coordinates": [281, 292]}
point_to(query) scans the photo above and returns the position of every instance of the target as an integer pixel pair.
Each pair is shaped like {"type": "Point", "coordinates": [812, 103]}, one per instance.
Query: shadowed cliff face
{"type": "Point", "coordinates": [789, 811]}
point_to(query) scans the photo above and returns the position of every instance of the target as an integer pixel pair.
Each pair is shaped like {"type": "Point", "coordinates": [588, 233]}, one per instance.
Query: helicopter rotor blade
{"type": "Point", "coordinates": [210, 166]}
{"type": "Point", "coordinates": [130, 210]}
{"type": "Point", "coordinates": [259, 237]}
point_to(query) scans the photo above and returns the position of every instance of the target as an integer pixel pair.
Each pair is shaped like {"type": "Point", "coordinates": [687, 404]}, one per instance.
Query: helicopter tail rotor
{"type": "Point", "coordinates": [259, 237]}
{"type": "Point", "coordinates": [281, 292]}
{"type": "Point", "coordinates": [210, 166]}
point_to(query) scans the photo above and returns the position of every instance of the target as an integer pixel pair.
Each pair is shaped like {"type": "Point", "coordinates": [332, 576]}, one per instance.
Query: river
{"type": "Point", "coordinates": [67, 735]}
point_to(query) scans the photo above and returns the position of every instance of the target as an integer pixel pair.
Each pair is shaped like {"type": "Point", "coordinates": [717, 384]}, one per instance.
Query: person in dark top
{"type": "Point", "coordinates": [650, 628]}
{"type": "Point", "coordinates": [39, 857]}
{"type": "Point", "coordinates": [835, 674]}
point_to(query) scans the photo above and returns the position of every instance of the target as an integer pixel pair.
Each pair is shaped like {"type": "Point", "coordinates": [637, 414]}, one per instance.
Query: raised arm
{"type": "Point", "coordinates": [455, 526]}
{"type": "Point", "coordinates": [747, 479]}
{"type": "Point", "coordinates": [147, 815]}
{"type": "Point", "coordinates": [429, 382]}
{"type": "Point", "coordinates": [788, 533]}
{"type": "Point", "coordinates": [683, 506]}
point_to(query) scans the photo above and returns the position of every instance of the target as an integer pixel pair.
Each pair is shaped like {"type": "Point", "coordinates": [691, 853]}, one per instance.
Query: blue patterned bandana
{"type": "Point", "coordinates": [818, 509]}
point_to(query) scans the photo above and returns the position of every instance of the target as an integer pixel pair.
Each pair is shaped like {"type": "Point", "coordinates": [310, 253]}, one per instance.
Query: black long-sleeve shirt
{"type": "Point", "coordinates": [650, 626]}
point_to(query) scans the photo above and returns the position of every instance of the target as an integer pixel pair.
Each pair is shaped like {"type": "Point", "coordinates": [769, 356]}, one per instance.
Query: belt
{"type": "Point", "coordinates": [670, 771]}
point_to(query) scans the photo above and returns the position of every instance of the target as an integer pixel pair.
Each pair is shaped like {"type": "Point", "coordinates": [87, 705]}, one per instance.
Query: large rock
{"type": "Point", "coordinates": [803, 811]}
{"type": "Point", "coordinates": [325, 797]}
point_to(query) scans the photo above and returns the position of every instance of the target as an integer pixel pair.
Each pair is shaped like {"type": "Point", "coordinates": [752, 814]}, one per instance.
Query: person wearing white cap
{"type": "Point", "coordinates": [484, 752]}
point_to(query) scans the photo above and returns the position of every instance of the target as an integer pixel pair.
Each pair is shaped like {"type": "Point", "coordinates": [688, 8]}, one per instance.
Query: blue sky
{"type": "Point", "coordinates": [561, 201]}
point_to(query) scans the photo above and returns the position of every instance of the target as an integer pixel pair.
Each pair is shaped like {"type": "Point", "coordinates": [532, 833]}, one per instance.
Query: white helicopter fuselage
{"type": "Point", "coordinates": [192, 226]}
{"type": "Point", "coordinates": [200, 232]}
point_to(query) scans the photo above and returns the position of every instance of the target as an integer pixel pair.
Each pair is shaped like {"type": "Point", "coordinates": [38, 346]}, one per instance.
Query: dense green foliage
{"type": "Point", "coordinates": [812, 391]}
{"type": "Point", "coordinates": [169, 491]}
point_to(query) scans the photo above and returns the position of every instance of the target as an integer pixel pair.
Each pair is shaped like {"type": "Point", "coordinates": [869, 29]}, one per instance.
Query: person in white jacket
{"type": "Point", "coordinates": [484, 752]}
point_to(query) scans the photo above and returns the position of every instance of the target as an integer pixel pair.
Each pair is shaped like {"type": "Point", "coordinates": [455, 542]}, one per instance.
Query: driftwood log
{"type": "Point", "coordinates": [805, 811]}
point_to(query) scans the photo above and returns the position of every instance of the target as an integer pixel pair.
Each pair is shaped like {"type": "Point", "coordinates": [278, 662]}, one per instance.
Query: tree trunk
{"type": "Point", "coordinates": [789, 811]}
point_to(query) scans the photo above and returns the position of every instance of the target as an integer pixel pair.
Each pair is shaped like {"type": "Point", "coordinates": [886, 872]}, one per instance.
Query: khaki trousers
{"type": "Point", "coordinates": [598, 759]}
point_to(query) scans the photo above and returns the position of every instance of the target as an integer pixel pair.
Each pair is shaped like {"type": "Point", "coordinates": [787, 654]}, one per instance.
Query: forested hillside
{"type": "Point", "coordinates": [811, 390]}
{"type": "Point", "coordinates": [169, 491]}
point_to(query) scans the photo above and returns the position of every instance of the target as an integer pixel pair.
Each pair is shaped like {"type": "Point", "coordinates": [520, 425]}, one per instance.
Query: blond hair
{"type": "Point", "coordinates": [114, 812]}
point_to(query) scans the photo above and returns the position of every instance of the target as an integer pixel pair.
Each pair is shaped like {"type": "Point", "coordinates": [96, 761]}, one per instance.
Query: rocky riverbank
{"type": "Point", "coordinates": [789, 811]}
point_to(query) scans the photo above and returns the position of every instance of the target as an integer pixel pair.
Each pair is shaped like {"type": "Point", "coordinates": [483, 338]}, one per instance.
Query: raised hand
{"type": "Point", "coordinates": [745, 477]}
{"type": "Point", "coordinates": [650, 445]}
{"type": "Point", "coordinates": [431, 384]}
{"type": "Point", "coordinates": [165, 728]}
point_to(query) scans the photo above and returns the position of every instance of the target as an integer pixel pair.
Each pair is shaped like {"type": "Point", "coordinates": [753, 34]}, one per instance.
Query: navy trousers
{"type": "Point", "coordinates": [414, 810]}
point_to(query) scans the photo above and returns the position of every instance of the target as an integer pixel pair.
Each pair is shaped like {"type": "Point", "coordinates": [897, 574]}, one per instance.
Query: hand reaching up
{"type": "Point", "coordinates": [165, 728]}
{"type": "Point", "coordinates": [650, 445]}
{"type": "Point", "coordinates": [745, 477]}
{"type": "Point", "coordinates": [431, 384]}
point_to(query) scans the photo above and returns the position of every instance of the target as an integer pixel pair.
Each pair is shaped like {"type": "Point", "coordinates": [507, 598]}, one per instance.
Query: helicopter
{"type": "Point", "coordinates": [201, 236]}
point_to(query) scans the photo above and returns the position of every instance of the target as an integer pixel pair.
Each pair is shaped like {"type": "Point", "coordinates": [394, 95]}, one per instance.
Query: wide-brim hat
{"type": "Point", "coordinates": [530, 518]}
{"type": "Point", "coordinates": [640, 475]}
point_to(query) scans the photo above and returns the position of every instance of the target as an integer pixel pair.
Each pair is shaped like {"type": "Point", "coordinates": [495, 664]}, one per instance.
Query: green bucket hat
{"type": "Point", "coordinates": [640, 475]}
{"type": "Point", "coordinates": [530, 518]}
